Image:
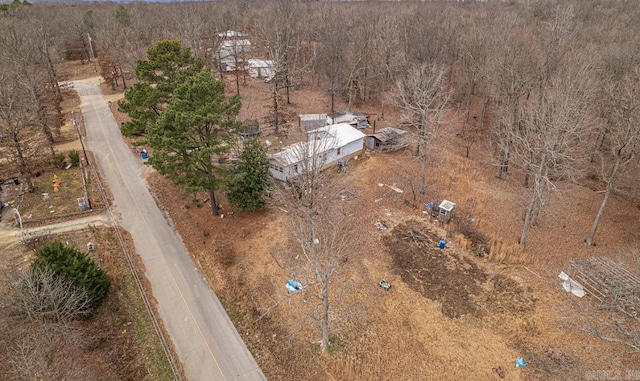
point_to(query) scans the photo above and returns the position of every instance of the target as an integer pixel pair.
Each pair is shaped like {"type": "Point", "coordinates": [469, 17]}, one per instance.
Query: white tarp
{"type": "Point", "coordinates": [570, 285]}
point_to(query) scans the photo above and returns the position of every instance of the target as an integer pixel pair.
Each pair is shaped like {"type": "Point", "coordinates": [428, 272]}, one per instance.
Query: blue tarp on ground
{"type": "Point", "coordinates": [293, 286]}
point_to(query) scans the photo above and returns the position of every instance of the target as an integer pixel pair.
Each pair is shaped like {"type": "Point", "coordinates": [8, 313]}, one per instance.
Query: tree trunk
{"type": "Point", "coordinates": [235, 57]}
{"type": "Point", "coordinates": [505, 164]}
{"type": "Point", "coordinates": [124, 83]}
{"type": "Point", "coordinates": [333, 104]}
{"type": "Point", "coordinates": [423, 173]}
{"type": "Point", "coordinates": [365, 82]}
{"type": "Point", "coordinates": [51, 70]}
{"type": "Point", "coordinates": [245, 69]}
{"type": "Point", "coordinates": [537, 207]}
{"type": "Point", "coordinates": [468, 107]}
{"type": "Point", "coordinates": [324, 343]}
{"type": "Point", "coordinates": [22, 163]}
{"type": "Point", "coordinates": [275, 103]}
{"type": "Point", "coordinates": [501, 164]}
{"type": "Point", "coordinates": [485, 106]}
{"type": "Point", "coordinates": [605, 200]}
{"type": "Point", "coordinates": [602, 134]}
{"type": "Point", "coordinates": [42, 118]}
{"type": "Point", "coordinates": [382, 102]}
{"type": "Point", "coordinates": [214, 202]}
{"type": "Point", "coordinates": [536, 196]}
{"type": "Point", "coordinates": [287, 85]}
{"type": "Point", "coordinates": [222, 70]}
{"type": "Point", "coordinates": [594, 228]}
{"type": "Point", "coordinates": [527, 223]}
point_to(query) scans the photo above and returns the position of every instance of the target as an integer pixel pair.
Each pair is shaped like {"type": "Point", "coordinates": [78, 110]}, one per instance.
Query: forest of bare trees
{"type": "Point", "coordinates": [539, 79]}
{"type": "Point", "coordinates": [552, 88]}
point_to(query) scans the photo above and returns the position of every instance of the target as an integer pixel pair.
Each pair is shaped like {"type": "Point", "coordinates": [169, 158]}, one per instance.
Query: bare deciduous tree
{"type": "Point", "coordinates": [622, 119]}
{"type": "Point", "coordinates": [421, 96]}
{"type": "Point", "coordinates": [331, 53]}
{"type": "Point", "coordinates": [325, 244]}
{"type": "Point", "coordinates": [30, 96]}
{"type": "Point", "coordinates": [43, 295]}
{"type": "Point", "coordinates": [550, 140]}
{"type": "Point", "coordinates": [389, 59]}
{"type": "Point", "coordinates": [512, 72]}
{"type": "Point", "coordinates": [320, 230]}
{"type": "Point", "coordinates": [52, 351]}
{"type": "Point", "coordinates": [280, 31]}
{"type": "Point", "coordinates": [14, 125]}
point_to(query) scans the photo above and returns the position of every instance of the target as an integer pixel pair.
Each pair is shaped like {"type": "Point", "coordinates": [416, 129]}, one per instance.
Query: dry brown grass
{"type": "Point", "coordinates": [402, 334]}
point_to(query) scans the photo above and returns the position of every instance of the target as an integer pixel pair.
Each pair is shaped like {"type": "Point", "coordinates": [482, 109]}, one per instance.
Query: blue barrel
{"type": "Point", "coordinates": [442, 244]}
{"type": "Point", "coordinates": [143, 155]}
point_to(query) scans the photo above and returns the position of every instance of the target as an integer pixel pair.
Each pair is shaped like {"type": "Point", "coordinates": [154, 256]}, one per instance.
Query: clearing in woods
{"type": "Point", "coordinates": [450, 314]}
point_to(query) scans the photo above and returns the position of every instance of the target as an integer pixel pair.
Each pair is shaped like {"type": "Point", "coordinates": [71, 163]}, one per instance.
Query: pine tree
{"type": "Point", "coordinates": [197, 128]}
{"type": "Point", "coordinates": [249, 182]}
{"type": "Point", "coordinates": [74, 265]}
{"type": "Point", "coordinates": [168, 65]}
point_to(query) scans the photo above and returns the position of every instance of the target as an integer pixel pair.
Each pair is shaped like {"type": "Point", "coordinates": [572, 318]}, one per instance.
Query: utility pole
{"type": "Point", "coordinates": [86, 159]}
{"type": "Point", "coordinates": [91, 54]}
{"type": "Point", "coordinates": [75, 124]}
{"type": "Point", "coordinates": [16, 213]}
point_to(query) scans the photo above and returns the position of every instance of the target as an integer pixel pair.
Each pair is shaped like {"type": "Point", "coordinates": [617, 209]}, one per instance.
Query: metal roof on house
{"type": "Point", "coordinates": [232, 44]}
{"type": "Point", "coordinates": [309, 117]}
{"type": "Point", "coordinates": [346, 116]}
{"type": "Point", "coordinates": [231, 34]}
{"type": "Point", "coordinates": [320, 140]}
{"type": "Point", "coordinates": [256, 63]}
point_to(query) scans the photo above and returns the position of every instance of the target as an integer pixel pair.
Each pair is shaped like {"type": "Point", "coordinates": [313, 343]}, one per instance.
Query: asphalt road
{"type": "Point", "coordinates": [205, 340]}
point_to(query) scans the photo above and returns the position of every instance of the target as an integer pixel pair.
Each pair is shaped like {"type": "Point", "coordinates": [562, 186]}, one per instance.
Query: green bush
{"type": "Point", "coordinates": [74, 157]}
{"type": "Point", "coordinates": [59, 160]}
{"type": "Point", "coordinates": [77, 267]}
{"type": "Point", "coordinates": [247, 185]}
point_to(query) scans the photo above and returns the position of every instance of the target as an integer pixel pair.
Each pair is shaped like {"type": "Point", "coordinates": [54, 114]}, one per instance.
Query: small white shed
{"type": "Point", "coordinates": [324, 147]}
{"type": "Point", "coordinates": [445, 210]}
{"type": "Point", "coordinates": [261, 69]}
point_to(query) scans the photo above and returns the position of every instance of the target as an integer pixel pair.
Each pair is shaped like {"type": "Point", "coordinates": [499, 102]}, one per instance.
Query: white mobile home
{"type": "Point", "coordinates": [324, 147]}
{"type": "Point", "coordinates": [236, 46]}
{"type": "Point", "coordinates": [232, 34]}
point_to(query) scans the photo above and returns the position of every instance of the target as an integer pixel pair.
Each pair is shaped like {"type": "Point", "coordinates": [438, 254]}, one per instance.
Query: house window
{"type": "Point", "coordinates": [339, 151]}
{"type": "Point", "coordinates": [276, 168]}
